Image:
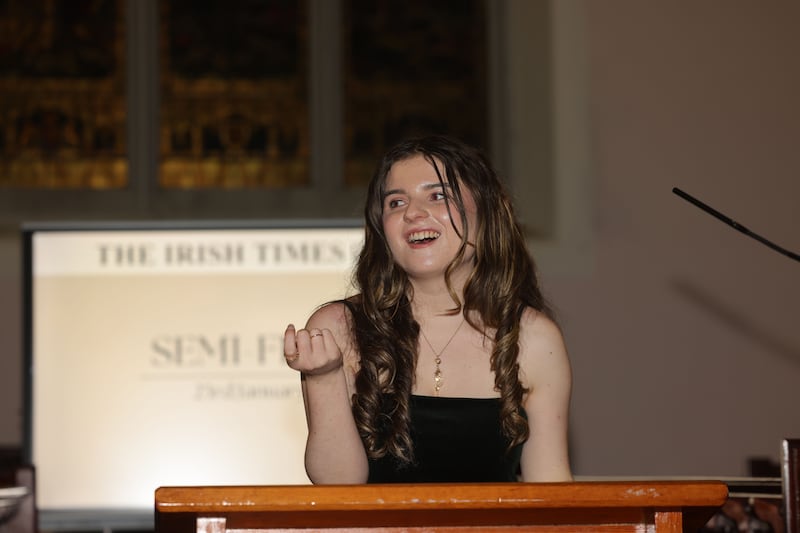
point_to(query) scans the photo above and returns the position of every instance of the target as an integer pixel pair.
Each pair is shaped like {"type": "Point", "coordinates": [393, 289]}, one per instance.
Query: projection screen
{"type": "Point", "coordinates": [155, 357]}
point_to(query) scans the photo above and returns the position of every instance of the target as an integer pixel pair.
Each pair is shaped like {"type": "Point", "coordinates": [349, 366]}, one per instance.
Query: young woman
{"type": "Point", "coordinates": [446, 366]}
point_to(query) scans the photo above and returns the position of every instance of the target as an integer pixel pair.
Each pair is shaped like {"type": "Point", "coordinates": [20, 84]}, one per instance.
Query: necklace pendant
{"type": "Point", "coordinates": [438, 381]}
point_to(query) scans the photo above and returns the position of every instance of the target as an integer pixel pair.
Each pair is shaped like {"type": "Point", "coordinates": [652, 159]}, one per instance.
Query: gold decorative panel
{"type": "Point", "coordinates": [412, 67]}
{"type": "Point", "coordinates": [234, 104]}
{"type": "Point", "coordinates": [62, 97]}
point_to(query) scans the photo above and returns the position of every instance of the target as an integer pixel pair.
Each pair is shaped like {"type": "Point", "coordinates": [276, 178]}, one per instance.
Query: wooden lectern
{"type": "Point", "coordinates": [657, 507]}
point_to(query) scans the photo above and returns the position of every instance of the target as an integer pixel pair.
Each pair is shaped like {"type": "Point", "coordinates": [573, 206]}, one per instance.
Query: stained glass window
{"type": "Point", "coordinates": [62, 98]}
{"type": "Point", "coordinates": [285, 105]}
{"type": "Point", "coordinates": [234, 105]}
{"type": "Point", "coordinates": [412, 67]}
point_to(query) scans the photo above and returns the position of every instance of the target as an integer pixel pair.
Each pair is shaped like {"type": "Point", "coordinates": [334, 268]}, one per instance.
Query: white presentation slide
{"type": "Point", "coordinates": [157, 357]}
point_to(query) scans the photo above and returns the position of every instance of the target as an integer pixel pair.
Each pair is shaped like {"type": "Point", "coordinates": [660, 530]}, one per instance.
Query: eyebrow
{"type": "Point", "coordinates": [427, 187]}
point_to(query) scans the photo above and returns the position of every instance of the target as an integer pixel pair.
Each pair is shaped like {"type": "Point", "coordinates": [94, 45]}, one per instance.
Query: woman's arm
{"type": "Point", "coordinates": [545, 370]}
{"type": "Point", "coordinates": [334, 450]}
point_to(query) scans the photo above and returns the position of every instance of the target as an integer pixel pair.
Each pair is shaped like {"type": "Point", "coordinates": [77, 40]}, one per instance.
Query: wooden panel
{"type": "Point", "coordinates": [438, 496]}
{"type": "Point", "coordinates": [669, 521]}
{"type": "Point", "coordinates": [595, 528]}
{"type": "Point", "coordinates": [586, 506]}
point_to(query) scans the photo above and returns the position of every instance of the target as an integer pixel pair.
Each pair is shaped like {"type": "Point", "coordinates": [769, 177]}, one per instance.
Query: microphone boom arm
{"type": "Point", "coordinates": [735, 225]}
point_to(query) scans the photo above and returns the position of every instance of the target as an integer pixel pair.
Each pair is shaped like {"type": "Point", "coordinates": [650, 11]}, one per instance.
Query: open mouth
{"type": "Point", "coordinates": [420, 237]}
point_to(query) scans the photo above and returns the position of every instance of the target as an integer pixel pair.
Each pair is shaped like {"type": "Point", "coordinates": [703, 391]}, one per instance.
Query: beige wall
{"type": "Point", "coordinates": [683, 332]}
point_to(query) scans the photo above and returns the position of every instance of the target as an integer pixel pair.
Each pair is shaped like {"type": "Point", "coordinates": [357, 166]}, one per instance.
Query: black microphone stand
{"type": "Point", "coordinates": [734, 224]}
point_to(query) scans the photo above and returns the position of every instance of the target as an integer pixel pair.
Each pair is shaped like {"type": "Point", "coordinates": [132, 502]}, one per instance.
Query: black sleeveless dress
{"type": "Point", "coordinates": [455, 440]}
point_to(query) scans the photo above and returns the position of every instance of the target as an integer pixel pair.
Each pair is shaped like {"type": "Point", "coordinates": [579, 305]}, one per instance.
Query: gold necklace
{"type": "Point", "coordinates": [437, 374]}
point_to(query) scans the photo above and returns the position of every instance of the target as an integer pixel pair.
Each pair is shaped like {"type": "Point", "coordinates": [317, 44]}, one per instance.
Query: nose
{"type": "Point", "coordinates": [415, 210]}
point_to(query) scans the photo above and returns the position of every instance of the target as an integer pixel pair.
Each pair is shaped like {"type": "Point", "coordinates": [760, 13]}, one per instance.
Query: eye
{"type": "Point", "coordinates": [393, 203]}
{"type": "Point", "coordinates": [440, 194]}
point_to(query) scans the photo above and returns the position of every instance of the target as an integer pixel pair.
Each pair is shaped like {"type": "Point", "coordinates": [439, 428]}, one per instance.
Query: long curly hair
{"type": "Point", "coordinates": [503, 282]}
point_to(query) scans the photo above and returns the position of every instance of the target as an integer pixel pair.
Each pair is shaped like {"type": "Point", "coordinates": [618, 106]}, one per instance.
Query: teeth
{"type": "Point", "coordinates": [423, 236]}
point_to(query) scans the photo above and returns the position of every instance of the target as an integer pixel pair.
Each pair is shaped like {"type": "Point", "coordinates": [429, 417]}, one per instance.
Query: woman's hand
{"type": "Point", "coordinates": [334, 450]}
{"type": "Point", "coordinates": [313, 352]}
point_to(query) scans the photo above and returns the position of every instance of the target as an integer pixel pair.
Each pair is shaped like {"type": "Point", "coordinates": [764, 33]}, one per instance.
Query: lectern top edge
{"type": "Point", "coordinates": [585, 494]}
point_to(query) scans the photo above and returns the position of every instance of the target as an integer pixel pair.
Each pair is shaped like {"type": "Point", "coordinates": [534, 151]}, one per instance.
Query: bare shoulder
{"type": "Point", "coordinates": [332, 316]}
{"type": "Point", "coordinates": [543, 354]}
{"type": "Point", "coordinates": [538, 330]}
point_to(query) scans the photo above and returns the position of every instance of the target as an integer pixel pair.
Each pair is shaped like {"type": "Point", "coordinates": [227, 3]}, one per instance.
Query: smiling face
{"type": "Point", "coordinates": [421, 221]}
